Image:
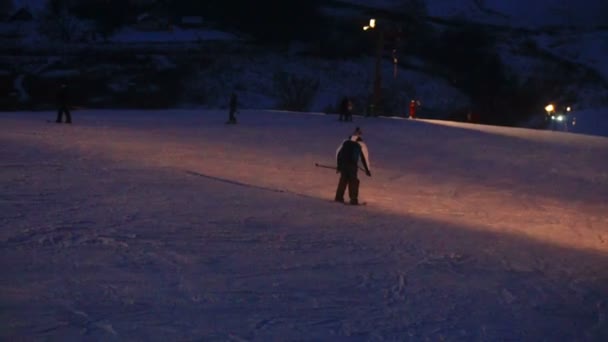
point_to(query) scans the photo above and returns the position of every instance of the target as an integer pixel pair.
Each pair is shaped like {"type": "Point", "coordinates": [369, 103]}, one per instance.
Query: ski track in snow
{"type": "Point", "coordinates": [132, 225]}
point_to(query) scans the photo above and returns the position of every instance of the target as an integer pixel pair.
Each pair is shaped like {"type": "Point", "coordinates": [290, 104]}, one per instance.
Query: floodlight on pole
{"type": "Point", "coordinates": [549, 108]}
{"type": "Point", "coordinates": [372, 24]}
{"type": "Point", "coordinates": [377, 88]}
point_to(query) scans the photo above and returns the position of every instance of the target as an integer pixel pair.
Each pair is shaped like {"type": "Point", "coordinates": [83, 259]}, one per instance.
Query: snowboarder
{"type": "Point", "coordinates": [62, 104]}
{"type": "Point", "coordinates": [347, 156]}
{"type": "Point", "coordinates": [232, 110]}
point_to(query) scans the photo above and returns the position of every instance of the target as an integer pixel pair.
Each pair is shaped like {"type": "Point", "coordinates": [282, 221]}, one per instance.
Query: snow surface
{"type": "Point", "coordinates": [171, 225]}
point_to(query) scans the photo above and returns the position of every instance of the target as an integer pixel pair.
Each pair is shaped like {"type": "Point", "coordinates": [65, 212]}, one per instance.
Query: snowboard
{"type": "Point", "coordinates": [355, 205]}
{"type": "Point", "coordinates": [348, 203]}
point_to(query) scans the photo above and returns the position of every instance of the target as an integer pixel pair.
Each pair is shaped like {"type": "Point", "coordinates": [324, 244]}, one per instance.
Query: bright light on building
{"type": "Point", "coordinates": [568, 108]}
{"type": "Point", "coordinates": [549, 108]}
{"type": "Point", "coordinates": [560, 118]}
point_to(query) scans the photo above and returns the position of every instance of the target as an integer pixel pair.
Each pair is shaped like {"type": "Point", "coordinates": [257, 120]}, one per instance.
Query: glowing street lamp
{"type": "Point", "coordinates": [372, 24]}
{"type": "Point", "coordinates": [549, 108]}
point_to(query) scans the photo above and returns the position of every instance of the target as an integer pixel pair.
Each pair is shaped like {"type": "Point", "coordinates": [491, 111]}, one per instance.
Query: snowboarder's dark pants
{"type": "Point", "coordinates": [64, 109]}
{"type": "Point", "coordinates": [348, 179]}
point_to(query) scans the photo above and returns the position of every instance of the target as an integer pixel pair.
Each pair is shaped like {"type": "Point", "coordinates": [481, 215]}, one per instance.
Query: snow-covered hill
{"type": "Point", "coordinates": [574, 44]}
{"type": "Point", "coordinates": [522, 13]}
{"type": "Point", "coordinates": [517, 13]}
{"type": "Point", "coordinates": [171, 225]}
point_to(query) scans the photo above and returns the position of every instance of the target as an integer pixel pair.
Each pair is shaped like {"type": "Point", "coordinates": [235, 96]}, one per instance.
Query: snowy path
{"type": "Point", "coordinates": [137, 227]}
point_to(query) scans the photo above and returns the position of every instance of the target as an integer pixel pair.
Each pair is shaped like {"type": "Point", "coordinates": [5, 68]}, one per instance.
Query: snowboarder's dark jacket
{"type": "Point", "coordinates": [349, 153]}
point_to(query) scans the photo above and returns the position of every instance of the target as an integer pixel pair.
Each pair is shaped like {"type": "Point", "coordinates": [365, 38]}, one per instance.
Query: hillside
{"type": "Point", "coordinates": [530, 14]}
{"type": "Point", "coordinates": [539, 63]}
{"type": "Point", "coordinates": [516, 13]}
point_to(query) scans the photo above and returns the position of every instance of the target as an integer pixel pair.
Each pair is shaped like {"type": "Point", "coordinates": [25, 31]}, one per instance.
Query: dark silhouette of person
{"type": "Point", "coordinates": [232, 108]}
{"type": "Point", "coordinates": [63, 105]}
{"type": "Point", "coordinates": [347, 156]}
{"type": "Point", "coordinates": [345, 110]}
{"type": "Point", "coordinates": [349, 109]}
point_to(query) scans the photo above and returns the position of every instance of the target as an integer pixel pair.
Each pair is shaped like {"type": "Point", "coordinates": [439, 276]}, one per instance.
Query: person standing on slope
{"type": "Point", "coordinates": [349, 110]}
{"type": "Point", "coordinates": [63, 105]}
{"type": "Point", "coordinates": [413, 107]}
{"type": "Point", "coordinates": [232, 108]}
{"type": "Point", "coordinates": [347, 156]}
{"type": "Point", "coordinates": [346, 109]}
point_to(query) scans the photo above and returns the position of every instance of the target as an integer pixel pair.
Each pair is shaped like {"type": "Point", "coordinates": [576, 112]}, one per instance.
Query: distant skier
{"type": "Point", "coordinates": [345, 110]}
{"type": "Point", "coordinates": [232, 109]}
{"type": "Point", "coordinates": [413, 107]}
{"type": "Point", "coordinates": [63, 105]}
{"type": "Point", "coordinates": [347, 157]}
{"type": "Point", "coordinates": [342, 109]}
{"type": "Point", "coordinates": [349, 110]}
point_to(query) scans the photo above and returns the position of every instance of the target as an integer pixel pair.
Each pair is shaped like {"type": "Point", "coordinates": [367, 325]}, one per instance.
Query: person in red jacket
{"type": "Point", "coordinates": [413, 106]}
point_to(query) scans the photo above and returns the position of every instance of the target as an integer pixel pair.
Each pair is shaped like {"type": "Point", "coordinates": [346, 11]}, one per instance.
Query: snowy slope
{"type": "Point", "coordinates": [170, 225]}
